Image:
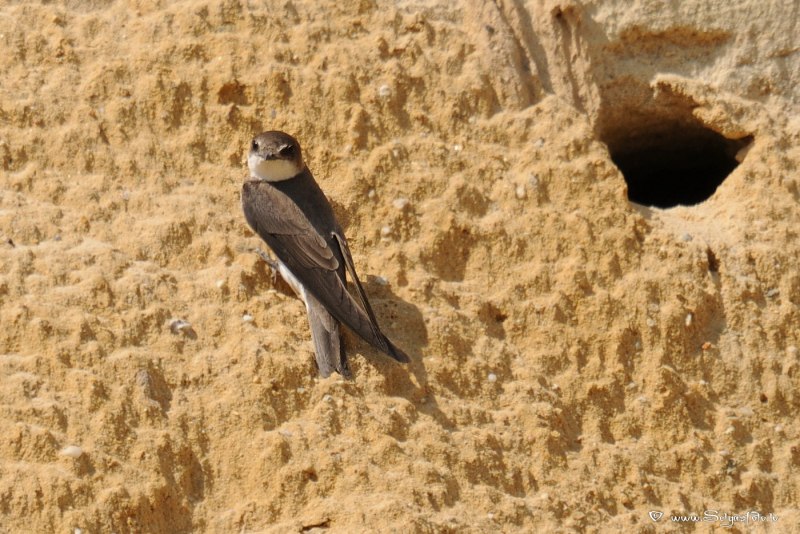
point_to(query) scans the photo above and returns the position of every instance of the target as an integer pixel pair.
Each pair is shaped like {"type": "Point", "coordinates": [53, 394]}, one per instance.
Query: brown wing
{"type": "Point", "coordinates": [393, 351]}
{"type": "Point", "coordinates": [310, 257]}
{"type": "Point", "coordinates": [283, 226]}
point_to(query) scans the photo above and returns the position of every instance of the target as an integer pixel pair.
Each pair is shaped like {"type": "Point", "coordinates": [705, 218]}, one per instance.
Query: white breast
{"type": "Point", "coordinates": [271, 170]}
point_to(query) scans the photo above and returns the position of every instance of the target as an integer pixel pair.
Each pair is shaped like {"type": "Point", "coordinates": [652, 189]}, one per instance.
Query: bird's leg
{"type": "Point", "coordinates": [278, 282]}
{"type": "Point", "coordinates": [273, 265]}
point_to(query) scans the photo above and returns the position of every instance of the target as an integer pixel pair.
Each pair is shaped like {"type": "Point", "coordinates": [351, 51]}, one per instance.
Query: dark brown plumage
{"type": "Point", "coordinates": [293, 216]}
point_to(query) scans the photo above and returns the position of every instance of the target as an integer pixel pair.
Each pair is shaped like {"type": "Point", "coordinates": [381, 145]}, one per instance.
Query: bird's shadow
{"type": "Point", "coordinates": [404, 324]}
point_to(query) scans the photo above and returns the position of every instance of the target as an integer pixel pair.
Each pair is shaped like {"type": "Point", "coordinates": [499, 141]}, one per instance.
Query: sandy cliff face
{"type": "Point", "coordinates": [579, 360]}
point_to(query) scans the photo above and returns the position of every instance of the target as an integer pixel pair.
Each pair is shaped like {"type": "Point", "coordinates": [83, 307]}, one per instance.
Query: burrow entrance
{"type": "Point", "coordinates": [667, 156]}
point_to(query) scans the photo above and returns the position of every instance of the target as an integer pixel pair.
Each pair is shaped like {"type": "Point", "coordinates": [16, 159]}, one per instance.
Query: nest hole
{"type": "Point", "coordinates": [667, 156]}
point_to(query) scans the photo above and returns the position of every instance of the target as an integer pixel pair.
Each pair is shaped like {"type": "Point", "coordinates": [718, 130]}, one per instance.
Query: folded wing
{"type": "Point", "coordinates": [313, 258]}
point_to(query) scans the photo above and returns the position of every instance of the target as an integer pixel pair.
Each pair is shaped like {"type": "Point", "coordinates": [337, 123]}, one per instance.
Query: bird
{"type": "Point", "coordinates": [285, 206]}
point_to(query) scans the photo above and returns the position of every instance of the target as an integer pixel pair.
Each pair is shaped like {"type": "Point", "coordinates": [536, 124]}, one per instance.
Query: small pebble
{"type": "Point", "coordinates": [539, 143]}
{"type": "Point", "coordinates": [520, 192]}
{"type": "Point", "coordinates": [73, 451]}
{"type": "Point", "coordinates": [386, 231]}
{"type": "Point", "coordinates": [371, 193]}
{"type": "Point", "coordinates": [247, 318]}
{"type": "Point", "coordinates": [327, 398]}
{"type": "Point", "coordinates": [400, 203]}
{"type": "Point", "coordinates": [707, 345]}
{"type": "Point", "coordinates": [177, 326]}
{"type": "Point", "coordinates": [688, 320]}
{"type": "Point", "coordinates": [301, 389]}
{"type": "Point", "coordinates": [686, 237]}
{"type": "Point", "coordinates": [492, 377]}
{"type": "Point", "coordinates": [457, 148]}
{"type": "Point", "coordinates": [651, 323]}
{"type": "Point", "coordinates": [730, 430]}
{"type": "Point", "coordinates": [220, 283]}
{"type": "Point", "coordinates": [384, 91]}
{"type": "Point", "coordinates": [380, 280]}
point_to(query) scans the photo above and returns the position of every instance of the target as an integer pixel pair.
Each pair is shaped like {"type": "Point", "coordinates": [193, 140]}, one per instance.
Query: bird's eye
{"type": "Point", "coordinates": [286, 150]}
{"type": "Point", "coordinates": [254, 146]}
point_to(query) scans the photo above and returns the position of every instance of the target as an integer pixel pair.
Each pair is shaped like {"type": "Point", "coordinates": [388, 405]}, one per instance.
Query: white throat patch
{"type": "Point", "coordinates": [271, 170]}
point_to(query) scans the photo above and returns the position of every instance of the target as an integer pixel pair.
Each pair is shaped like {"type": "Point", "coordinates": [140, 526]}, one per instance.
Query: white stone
{"type": "Point", "coordinates": [400, 203]}
{"type": "Point", "coordinates": [72, 451]}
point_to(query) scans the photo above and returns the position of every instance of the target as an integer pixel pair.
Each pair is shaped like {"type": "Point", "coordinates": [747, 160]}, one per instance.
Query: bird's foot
{"type": "Point", "coordinates": [273, 264]}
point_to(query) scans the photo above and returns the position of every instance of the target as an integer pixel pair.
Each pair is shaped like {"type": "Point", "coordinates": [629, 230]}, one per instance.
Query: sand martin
{"type": "Point", "coordinates": [284, 205]}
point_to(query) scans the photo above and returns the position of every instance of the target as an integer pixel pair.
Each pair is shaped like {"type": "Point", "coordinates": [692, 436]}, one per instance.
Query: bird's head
{"type": "Point", "coordinates": [275, 156]}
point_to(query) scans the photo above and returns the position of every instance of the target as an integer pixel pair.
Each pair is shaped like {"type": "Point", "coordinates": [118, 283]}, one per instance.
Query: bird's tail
{"type": "Point", "coordinates": [328, 346]}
